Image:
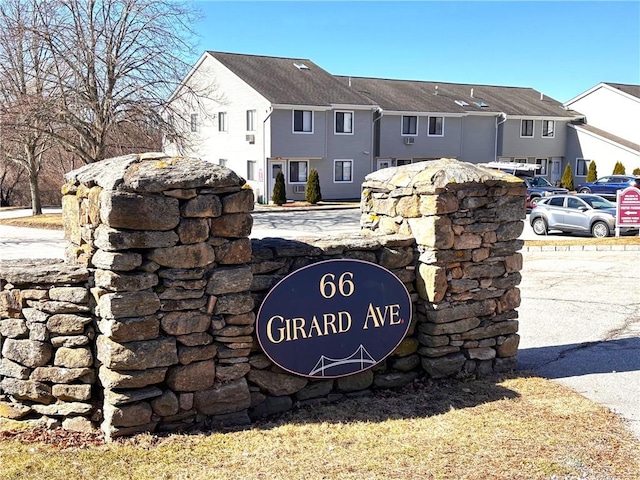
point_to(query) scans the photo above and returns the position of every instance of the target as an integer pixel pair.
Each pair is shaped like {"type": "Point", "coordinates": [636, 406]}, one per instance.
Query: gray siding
{"type": "Point", "coordinates": [537, 146]}
{"type": "Point", "coordinates": [285, 143]}
{"type": "Point", "coordinates": [479, 133]}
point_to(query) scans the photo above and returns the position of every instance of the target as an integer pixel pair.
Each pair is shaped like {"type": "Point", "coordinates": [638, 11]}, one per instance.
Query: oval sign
{"type": "Point", "coordinates": [334, 318]}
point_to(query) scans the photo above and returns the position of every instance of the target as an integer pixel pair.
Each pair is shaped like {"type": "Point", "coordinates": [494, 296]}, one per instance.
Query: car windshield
{"type": "Point", "coordinates": [540, 182]}
{"type": "Point", "coordinates": [598, 203]}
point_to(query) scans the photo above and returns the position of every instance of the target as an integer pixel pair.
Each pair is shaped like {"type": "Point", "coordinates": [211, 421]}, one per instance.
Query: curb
{"type": "Point", "coordinates": [580, 248]}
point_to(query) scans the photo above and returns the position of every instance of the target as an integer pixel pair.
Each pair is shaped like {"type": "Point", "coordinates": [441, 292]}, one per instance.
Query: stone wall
{"type": "Point", "coordinates": [47, 372]}
{"type": "Point", "coordinates": [157, 302]}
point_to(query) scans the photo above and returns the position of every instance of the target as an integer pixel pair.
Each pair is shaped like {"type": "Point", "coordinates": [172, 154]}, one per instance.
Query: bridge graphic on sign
{"type": "Point", "coordinates": [360, 355]}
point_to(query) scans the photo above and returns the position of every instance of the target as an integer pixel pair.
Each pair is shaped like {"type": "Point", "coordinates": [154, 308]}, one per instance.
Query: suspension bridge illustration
{"type": "Point", "coordinates": [360, 355]}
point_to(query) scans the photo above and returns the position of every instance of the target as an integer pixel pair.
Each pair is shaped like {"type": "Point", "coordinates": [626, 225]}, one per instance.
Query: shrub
{"type": "Point", "coordinates": [312, 193]}
{"type": "Point", "coordinates": [592, 173]}
{"type": "Point", "coordinates": [636, 171]}
{"type": "Point", "coordinates": [619, 169]}
{"type": "Point", "coordinates": [567, 178]}
{"type": "Point", "coordinates": [279, 194]}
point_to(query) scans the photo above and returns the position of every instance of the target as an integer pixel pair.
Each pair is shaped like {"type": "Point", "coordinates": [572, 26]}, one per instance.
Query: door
{"type": "Point", "coordinates": [556, 176]}
{"type": "Point", "coordinates": [383, 163]}
{"type": "Point", "coordinates": [274, 168]}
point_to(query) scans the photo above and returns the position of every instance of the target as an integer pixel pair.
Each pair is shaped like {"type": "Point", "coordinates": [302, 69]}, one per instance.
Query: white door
{"type": "Point", "coordinates": [274, 168]}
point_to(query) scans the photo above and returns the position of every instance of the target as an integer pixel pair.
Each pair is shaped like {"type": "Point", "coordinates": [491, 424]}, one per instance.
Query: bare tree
{"type": "Point", "coordinates": [116, 64]}
{"type": "Point", "coordinates": [24, 97]}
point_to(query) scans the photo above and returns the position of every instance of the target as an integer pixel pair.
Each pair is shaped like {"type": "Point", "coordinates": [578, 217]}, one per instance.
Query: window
{"type": "Point", "coordinates": [548, 128]}
{"type": "Point", "coordinates": [343, 171]}
{"type": "Point", "coordinates": [436, 126]}
{"type": "Point", "coordinates": [542, 169]}
{"type": "Point", "coordinates": [409, 125]}
{"type": "Point", "coordinates": [251, 169]}
{"type": "Point", "coordinates": [582, 166]}
{"type": "Point", "coordinates": [222, 162]}
{"type": "Point", "coordinates": [251, 120]}
{"type": "Point", "coordinates": [222, 121]}
{"type": "Point", "coordinates": [403, 161]}
{"type": "Point", "coordinates": [526, 128]}
{"type": "Point", "coordinates": [194, 122]}
{"type": "Point", "coordinates": [344, 123]}
{"type": "Point", "coordinates": [556, 201]}
{"type": "Point", "coordinates": [574, 203]}
{"type": "Point", "coordinates": [298, 171]}
{"type": "Point", "coordinates": [303, 121]}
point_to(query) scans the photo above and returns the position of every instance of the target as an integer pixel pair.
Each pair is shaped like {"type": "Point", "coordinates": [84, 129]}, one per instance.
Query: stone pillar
{"type": "Point", "coordinates": [466, 221]}
{"type": "Point", "coordinates": [166, 239]}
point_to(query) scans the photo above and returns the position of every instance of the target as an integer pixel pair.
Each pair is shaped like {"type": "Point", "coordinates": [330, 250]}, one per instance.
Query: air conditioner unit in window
{"type": "Point", "coordinates": [409, 140]}
{"type": "Point", "coordinates": [299, 188]}
{"type": "Point", "coordinates": [251, 139]}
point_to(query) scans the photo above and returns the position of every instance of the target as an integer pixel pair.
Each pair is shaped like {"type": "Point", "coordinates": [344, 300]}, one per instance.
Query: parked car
{"type": "Point", "coordinates": [537, 187]}
{"type": "Point", "coordinates": [579, 213]}
{"type": "Point", "coordinates": [609, 186]}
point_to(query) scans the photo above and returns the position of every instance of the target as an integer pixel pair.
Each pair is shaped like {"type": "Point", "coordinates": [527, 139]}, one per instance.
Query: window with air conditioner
{"type": "Point", "coordinates": [298, 171]}
{"type": "Point", "coordinates": [409, 125]}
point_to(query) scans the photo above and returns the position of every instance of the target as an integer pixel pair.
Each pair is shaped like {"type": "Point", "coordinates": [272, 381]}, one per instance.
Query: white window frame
{"type": "Point", "coordinates": [335, 122]}
{"type": "Point", "coordinates": [544, 166]}
{"type": "Point", "coordinates": [251, 120]}
{"type": "Point", "coordinates": [222, 162]}
{"type": "Point", "coordinates": [551, 134]}
{"type": "Point", "coordinates": [441, 134]}
{"type": "Point", "coordinates": [222, 122]}
{"type": "Point", "coordinates": [533, 128]}
{"type": "Point", "coordinates": [585, 162]}
{"type": "Point", "coordinates": [293, 122]}
{"type": "Point", "coordinates": [194, 122]}
{"type": "Point", "coordinates": [402, 117]}
{"type": "Point", "coordinates": [251, 170]}
{"type": "Point", "coordinates": [344, 161]}
{"type": "Point", "coordinates": [298, 181]}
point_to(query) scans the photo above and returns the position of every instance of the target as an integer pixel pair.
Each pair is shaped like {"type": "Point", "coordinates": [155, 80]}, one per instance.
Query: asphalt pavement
{"type": "Point", "coordinates": [579, 316]}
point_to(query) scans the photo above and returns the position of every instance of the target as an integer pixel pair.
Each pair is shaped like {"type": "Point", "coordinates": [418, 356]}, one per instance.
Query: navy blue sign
{"type": "Point", "coordinates": [334, 318]}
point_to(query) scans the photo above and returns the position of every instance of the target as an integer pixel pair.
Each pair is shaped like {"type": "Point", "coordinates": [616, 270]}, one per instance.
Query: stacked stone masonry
{"type": "Point", "coordinates": [149, 325]}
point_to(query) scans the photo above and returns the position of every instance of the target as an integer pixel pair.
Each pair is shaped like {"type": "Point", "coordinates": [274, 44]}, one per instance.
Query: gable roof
{"type": "Point", "coordinates": [281, 82]}
{"type": "Point", "coordinates": [420, 96]}
{"type": "Point", "coordinates": [608, 136]}
{"type": "Point", "coordinates": [633, 90]}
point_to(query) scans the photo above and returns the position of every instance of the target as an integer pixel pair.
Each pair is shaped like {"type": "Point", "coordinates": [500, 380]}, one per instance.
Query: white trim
{"type": "Point", "coordinates": [533, 131]}
{"type": "Point", "coordinates": [226, 122]}
{"type": "Point", "coordinates": [350, 160]}
{"type": "Point", "coordinates": [293, 122]}
{"type": "Point", "coordinates": [545, 117]}
{"type": "Point", "coordinates": [312, 108]}
{"type": "Point", "coordinates": [426, 114]}
{"type": "Point", "coordinates": [402, 126]}
{"type": "Point", "coordinates": [604, 139]}
{"type": "Point", "coordinates": [429, 126]}
{"type": "Point", "coordinates": [553, 130]}
{"type": "Point", "coordinates": [347, 106]}
{"type": "Point", "coordinates": [335, 122]}
{"type": "Point", "coordinates": [599, 86]}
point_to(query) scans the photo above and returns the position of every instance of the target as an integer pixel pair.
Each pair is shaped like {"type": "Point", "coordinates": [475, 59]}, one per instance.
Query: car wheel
{"type": "Point", "coordinates": [539, 226]}
{"type": "Point", "coordinates": [534, 201]}
{"type": "Point", "coordinates": [584, 190]}
{"type": "Point", "coordinates": [600, 230]}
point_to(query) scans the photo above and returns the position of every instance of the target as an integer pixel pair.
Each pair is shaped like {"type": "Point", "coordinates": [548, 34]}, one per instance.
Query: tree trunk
{"type": "Point", "coordinates": [36, 207]}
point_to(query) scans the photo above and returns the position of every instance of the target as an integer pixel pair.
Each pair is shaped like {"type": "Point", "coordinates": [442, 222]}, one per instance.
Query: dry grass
{"type": "Point", "coordinates": [49, 221]}
{"type": "Point", "coordinates": [501, 428]}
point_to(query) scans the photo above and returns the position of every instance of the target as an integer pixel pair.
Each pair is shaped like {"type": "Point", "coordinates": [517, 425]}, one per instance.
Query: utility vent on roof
{"type": "Point", "coordinates": [462, 103]}
{"type": "Point", "coordinates": [481, 104]}
{"type": "Point", "coordinates": [301, 66]}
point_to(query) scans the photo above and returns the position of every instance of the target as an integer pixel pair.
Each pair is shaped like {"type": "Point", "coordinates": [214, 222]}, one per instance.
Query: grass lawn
{"type": "Point", "coordinates": [513, 427]}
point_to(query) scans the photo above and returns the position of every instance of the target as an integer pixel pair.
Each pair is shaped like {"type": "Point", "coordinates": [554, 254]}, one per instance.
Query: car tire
{"type": "Point", "coordinates": [584, 190]}
{"type": "Point", "coordinates": [539, 226]}
{"type": "Point", "coordinates": [534, 201]}
{"type": "Point", "coordinates": [600, 230]}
